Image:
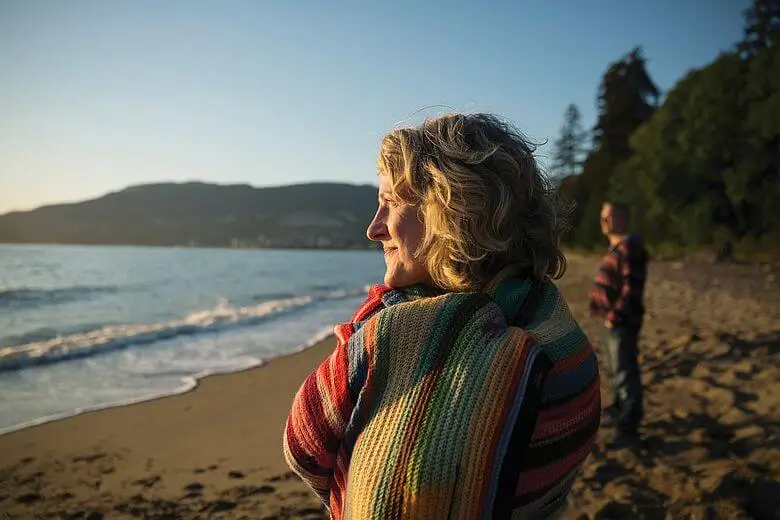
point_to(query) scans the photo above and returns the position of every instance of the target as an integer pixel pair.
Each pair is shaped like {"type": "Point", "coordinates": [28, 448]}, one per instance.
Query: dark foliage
{"type": "Point", "coordinates": [702, 169]}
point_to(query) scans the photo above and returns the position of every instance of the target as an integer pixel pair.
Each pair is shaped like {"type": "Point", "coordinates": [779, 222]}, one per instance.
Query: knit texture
{"type": "Point", "coordinates": [441, 406]}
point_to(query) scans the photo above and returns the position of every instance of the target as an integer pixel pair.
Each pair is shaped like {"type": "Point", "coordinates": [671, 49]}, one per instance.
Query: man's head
{"type": "Point", "coordinates": [614, 219]}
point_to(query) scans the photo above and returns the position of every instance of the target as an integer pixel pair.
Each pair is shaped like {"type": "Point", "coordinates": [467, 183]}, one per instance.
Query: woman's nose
{"type": "Point", "coordinates": [377, 229]}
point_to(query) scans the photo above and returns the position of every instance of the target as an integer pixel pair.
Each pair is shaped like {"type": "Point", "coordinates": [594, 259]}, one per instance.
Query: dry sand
{"type": "Point", "coordinates": [710, 352]}
{"type": "Point", "coordinates": [711, 448]}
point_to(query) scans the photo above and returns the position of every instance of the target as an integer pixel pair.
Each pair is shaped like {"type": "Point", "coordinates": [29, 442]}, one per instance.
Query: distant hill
{"type": "Point", "coordinates": [325, 215]}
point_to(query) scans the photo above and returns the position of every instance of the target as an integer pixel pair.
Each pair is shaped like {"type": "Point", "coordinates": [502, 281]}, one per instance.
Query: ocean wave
{"type": "Point", "coordinates": [110, 338]}
{"type": "Point", "coordinates": [187, 382]}
{"type": "Point", "coordinates": [260, 298]}
{"type": "Point", "coordinates": [29, 297]}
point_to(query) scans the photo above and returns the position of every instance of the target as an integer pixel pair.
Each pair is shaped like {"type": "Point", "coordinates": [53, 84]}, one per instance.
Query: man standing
{"type": "Point", "coordinates": [617, 298]}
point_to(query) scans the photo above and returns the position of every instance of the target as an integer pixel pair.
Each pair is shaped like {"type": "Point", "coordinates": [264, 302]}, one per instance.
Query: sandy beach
{"type": "Point", "coordinates": [213, 452]}
{"type": "Point", "coordinates": [711, 439]}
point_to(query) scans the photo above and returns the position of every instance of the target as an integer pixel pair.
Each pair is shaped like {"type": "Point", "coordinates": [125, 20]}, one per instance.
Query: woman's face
{"type": "Point", "coordinates": [398, 228]}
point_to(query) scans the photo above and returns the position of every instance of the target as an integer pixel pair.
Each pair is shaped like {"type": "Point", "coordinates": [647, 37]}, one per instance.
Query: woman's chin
{"type": "Point", "coordinates": [391, 282]}
{"type": "Point", "coordinates": [397, 282]}
{"type": "Point", "coordinates": [394, 281]}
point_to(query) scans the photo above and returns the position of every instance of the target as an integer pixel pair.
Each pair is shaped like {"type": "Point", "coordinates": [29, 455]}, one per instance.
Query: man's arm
{"type": "Point", "coordinates": [600, 299]}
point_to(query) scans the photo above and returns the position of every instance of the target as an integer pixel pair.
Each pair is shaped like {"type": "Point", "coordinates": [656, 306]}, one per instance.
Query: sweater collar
{"type": "Point", "coordinates": [508, 289]}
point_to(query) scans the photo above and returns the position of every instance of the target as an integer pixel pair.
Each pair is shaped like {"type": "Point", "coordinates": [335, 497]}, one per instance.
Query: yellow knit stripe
{"type": "Point", "coordinates": [506, 358]}
{"type": "Point", "coordinates": [377, 446]}
{"type": "Point", "coordinates": [437, 458]}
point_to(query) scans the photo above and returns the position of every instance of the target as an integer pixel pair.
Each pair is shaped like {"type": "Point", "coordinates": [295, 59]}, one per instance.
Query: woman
{"type": "Point", "coordinates": [462, 387]}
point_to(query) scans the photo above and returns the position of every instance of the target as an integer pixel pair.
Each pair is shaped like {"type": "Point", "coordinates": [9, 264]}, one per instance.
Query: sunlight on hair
{"type": "Point", "coordinates": [483, 199]}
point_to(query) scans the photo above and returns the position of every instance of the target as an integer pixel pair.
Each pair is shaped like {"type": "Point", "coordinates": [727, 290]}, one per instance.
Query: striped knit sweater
{"type": "Point", "coordinates": [440, 406]}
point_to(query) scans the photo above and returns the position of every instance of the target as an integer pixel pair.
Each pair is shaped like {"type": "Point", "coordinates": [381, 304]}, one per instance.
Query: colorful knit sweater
{"type": "Point", "coordinates": [440, 406]}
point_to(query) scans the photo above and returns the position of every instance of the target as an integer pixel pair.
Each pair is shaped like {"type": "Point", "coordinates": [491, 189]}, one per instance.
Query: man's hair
{"type": "Point", "coordinates": [620, 210]}
{"type": "Point", "coordinates": [484, 202]}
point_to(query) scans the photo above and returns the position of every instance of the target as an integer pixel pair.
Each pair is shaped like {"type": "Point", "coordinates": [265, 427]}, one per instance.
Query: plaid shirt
{"type": "Point", "coordinates": [618, 289]}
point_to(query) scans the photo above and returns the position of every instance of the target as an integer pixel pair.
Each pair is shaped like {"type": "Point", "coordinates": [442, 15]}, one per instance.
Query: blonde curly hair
{"type": "Point", "coordinates": [484, 202]}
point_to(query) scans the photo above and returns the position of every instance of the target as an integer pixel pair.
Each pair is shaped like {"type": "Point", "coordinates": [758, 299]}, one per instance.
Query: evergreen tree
{"type": "Point", "coordinates": [705, 169]}
{"type": "Point", "coordinates": [570, 146]}
{"type": "Point", "coordinates": [762, 27]}
{"type": "Point", "coordinates": [627, 98]}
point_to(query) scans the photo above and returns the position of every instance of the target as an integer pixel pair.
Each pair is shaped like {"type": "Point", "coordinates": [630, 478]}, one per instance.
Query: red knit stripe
{"type": "Point", "coordinates": [569, 364]}
{"type": "Point", "coordinates": [372, 302]}
{"type": "Point", "coordinates": [548, 475]}
{"type": "Point", "coordinates": [549, 428]}
{"type": "Point", "coordinates": [573, 407]}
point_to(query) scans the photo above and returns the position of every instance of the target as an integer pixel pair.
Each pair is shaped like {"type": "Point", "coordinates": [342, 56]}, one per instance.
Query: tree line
{"type": "Point", "coordinates": [700, 166]}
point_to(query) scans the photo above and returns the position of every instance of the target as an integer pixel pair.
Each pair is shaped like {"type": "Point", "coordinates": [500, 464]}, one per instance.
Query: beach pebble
{"type": "Point", "coordinates": [236, 474]}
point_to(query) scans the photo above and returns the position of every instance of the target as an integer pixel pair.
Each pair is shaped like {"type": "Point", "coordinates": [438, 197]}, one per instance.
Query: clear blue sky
{"type": "Point", "coordinates": [98, 95]}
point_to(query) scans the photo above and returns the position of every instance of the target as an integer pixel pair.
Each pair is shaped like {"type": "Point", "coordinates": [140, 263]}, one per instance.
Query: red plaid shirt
{"type": "Point", "coordinates": [617, 293]}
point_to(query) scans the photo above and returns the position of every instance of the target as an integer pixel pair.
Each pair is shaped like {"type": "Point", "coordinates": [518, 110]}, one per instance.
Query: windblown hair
{"type": "Point", "coordinates": [484, 202]}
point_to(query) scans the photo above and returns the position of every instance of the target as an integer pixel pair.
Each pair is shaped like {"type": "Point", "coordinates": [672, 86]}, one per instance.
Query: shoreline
{"type": "Point", "coordinates": [188, 384]}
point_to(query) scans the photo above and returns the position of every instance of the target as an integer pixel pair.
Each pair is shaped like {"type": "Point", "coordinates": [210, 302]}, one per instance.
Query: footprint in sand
{"type": "Point", "coordinates": [242, 492]}
{"type": "Point", "coordinates": [28, 498]}
{"type": "Point", "coordinates": [284, 477]}
{"type": "Point", "coordinates": [90, 458]}
{"type": "Point", "coordinates": [219, 506]}
{"type": "Point", "coordinates": [147, 482]}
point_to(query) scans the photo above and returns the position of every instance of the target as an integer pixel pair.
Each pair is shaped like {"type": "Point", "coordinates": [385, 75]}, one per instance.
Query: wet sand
{"type": "Point", "coordinates": [710, 353]}
{"type": "Point", "coordinates": [214, 452]}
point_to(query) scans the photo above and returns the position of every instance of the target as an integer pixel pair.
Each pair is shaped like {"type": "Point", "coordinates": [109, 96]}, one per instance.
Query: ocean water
{"type": "Point", "coordinates": [83, 328]}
